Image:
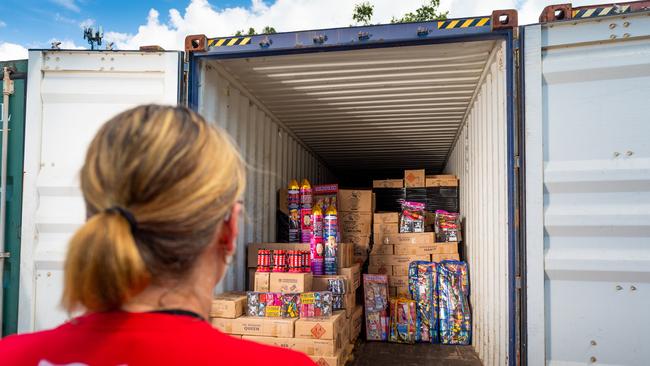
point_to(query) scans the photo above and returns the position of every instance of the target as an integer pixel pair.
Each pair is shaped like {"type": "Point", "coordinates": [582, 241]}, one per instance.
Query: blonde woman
{"type": "Point", "coordinates": [162, 191]}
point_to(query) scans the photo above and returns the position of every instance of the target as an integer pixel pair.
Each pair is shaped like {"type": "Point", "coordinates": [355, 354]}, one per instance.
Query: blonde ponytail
{"type": "Point", "coordinates": [170, 172]}
{"type": "Point", "coordinates": [104, 264]}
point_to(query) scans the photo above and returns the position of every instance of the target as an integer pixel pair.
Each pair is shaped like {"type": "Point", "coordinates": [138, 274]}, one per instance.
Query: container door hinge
{"type": "Point", "coordinates": [518, 282]}
{"type": "Point", "coordinates": [5, 255]}
{"type": "Point", "coordinates": [517, 161]}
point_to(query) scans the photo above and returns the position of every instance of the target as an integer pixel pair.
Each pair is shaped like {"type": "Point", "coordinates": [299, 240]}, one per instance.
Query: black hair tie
{"type": "Point", "coordinates": [128, 216]}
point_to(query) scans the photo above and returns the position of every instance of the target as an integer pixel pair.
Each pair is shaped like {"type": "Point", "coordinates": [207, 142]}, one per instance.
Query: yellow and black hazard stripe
{"type": "Point", "coordinates": [600, 11]}
{"type": "Point", "coordinates": [226, 42]}
{"type": "Point", "coordinates": [464, 23]}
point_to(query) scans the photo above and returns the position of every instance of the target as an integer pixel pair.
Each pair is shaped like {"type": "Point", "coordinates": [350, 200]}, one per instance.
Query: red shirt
{"type": "Point", "coordinates": [121, 338]}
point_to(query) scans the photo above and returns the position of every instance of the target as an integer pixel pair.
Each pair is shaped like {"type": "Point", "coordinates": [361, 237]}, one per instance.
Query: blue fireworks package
{"type": "Point", "coordinates": [453, 294]}
{"type": "Point", "coordinates": [423, 279]}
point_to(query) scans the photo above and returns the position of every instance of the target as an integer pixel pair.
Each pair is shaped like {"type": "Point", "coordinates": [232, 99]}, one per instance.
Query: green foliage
{"type": "Point", "coordinates": [363, 13]}
{"type": "Point", "coordinates": [268, 30]}
{"type": "Point", "coordinates": [424, 13]}
{"type": "Point", "coordinates": [252, 32]}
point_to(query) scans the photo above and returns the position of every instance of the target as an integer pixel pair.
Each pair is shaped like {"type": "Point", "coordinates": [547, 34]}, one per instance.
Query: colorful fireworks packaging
{"type": "Point", "coordinates": [447, 226]}
{"type": "Point", "coordinates": [402, 320]}
{"type": "Point", "coordinates": [422, 286]}
{"type": "Point", "coordinates": [290, 305]}
{"type": "Point", "coordinates": [293, 198]}
{"type": "Point", "coordinates": [412, 217]}
{"type": "Point", "coordinates": [315, 304]}
{"type": "Point", "coordinates": [305, 211]}
{"type": "Point", "coordinates": [337, 287]}
{"type": "Point", "coordinates": [455, 316]}
{"type": "Point", "coordinates": [273, 305]}
{"type": "Point", "coordinates": [330, 238]}
{"type": "Point", "coordinates": [375, 289]}
{"type": "Point", "coordinates": [317, 248]}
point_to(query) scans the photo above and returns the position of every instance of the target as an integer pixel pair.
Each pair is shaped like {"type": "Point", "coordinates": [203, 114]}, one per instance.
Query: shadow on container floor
{"type": "Point", "coordinates": [392, 354]}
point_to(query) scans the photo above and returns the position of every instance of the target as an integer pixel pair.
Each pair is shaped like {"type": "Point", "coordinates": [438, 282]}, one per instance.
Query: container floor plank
{"type": "Point", "coordinates": [391, 354]}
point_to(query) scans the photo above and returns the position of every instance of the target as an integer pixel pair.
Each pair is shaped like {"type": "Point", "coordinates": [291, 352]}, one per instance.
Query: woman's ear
{"type": "Point", "coordinates": [230, 230]}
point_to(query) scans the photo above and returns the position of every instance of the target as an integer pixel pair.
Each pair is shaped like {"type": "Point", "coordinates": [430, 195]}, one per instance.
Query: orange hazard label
{"type": "Point", "coordinates": [317, 331]}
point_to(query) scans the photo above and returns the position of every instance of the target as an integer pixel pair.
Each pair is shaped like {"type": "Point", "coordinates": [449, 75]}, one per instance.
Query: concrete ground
{"type": "Point", "coordinates": [393, 354]}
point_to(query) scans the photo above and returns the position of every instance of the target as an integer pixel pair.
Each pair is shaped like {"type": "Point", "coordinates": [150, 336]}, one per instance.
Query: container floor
{"type": "Point", "coordinates": [391, 354]}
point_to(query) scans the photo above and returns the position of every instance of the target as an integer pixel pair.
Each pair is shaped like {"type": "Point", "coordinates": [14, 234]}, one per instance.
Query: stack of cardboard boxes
{"type": "Point", "coordinates": [355, 220]}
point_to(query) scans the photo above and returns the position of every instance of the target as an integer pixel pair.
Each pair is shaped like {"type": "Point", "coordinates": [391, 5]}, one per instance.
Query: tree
{"type": "Point", "coordinates": [252, 32]}
{"type": "Point", "coordinates": [424, 13]}
{"type": "Point", "coordinates": [363, 13]}
{"type": "Point", "coordinates": [268, 30]}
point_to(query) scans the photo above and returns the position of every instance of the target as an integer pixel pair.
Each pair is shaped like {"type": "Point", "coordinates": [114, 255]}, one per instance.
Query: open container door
{"type": "Point", "coordinates": [587, 94]}
{"type": "Point", "coordinates": [70, 95]}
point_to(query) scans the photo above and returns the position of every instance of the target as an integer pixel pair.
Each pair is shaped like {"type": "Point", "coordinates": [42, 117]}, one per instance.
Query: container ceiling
{"type": "Point", "coordinates": [371, 109]}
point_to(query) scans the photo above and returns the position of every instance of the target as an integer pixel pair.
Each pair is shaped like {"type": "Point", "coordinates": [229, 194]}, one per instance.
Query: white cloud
{"type": "Point", "coordinates": [87, 23]}
{"type": "Point", "coordinates": [2, 24]}
{"type": "Point", "coordinates": [68, 4]}
{"type": "Point", "coordinates": [66, 44]}
{"type": "Point", "coordinates": [12, 51]}
{"type": "Point", "coordinates": [62, 19]}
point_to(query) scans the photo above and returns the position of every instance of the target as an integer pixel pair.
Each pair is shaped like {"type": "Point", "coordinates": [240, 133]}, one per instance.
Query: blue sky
{"type": "Point", "coordinates": [33, 23]}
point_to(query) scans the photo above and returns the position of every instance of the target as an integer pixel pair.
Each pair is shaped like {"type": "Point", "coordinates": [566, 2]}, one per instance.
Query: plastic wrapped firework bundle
{"type": "Point", "coordinates": [447, 226]}
{"type": "Point", "coordinates": [412, 217]}
{"type": "Point", "coordinates": [290, 305]}
{"type": "Point", "coordinates": [422, 286]}
{"type": "Point", "coordinates": [256, 304]}
{"type": "Point", "coordinates": [337, 287]}
{"type": "Point", "coordinates": [402, 321]}
{"type": "Point", "coordinates": [453, 290]}
{"type": "Point", "coordinates": [375, 290]}
{"type": "Point", "coordinates": [316, 304]}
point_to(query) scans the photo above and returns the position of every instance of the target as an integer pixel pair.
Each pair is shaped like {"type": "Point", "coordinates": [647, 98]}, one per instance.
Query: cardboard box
{"type": "Point", "coordinates": [385, 228]}
{"type": "Point", "coordinates": [399, 292]}
{"type": "Point", "coordinates": [396, 260]}
{"type": "Point", "coordinates": [405, 238]}
{"type": "Point", "coordinates": [355, 238]}
{"type": "Point", "coordinates": [354, 200]}
{"type": "Point", "coordinates": [360, 259]}
{"type": "Point", "coordinates": [441, 181]}
{"type": "Point", "coordinates": [350, 303]}
{"type": "Point", "coordinates": [442, 257]}
{"type": "Point", "coordinates": [356, 321]}
{"type": "Point", "coordinates": [353, 273]}
{"type": "Point", "coordinates": [414, 178]}
{"type": "Point", "coordinates": [382, 249]}
{"type": "Point", "coordinates": [388, 183]}
{"type": "Point", "coordinates": [338, 360]}
{"type": "Point", "coordinates": [262, 282]}
{"type": "Point", "coordinates": [311, 347]}
{"type": "Point", "coordinates": [398, 281]}
{"type": "Point", "coordinates": [246, 325]}
{"type": "Point", "coordinates": [401, 270]}
{"type": "Point", "coordinates": [320, 282]}
{"type": "Point", "coordinates": [383, 269]}
{"type": "Point", "coordinates": [290, 282]}
{"type": "Point", "coordinates": [236, 336]}
{"type": "Point", "coordinates": [355, 223]}
{"type": "Point", "coordinates": [228, 305]}
{"type": "Point", "coordinates": [344, 254]}
{"type": "Point", "coordinates": [386, 218]}
{"type": "Point", "coordinates": [283, 200]}
{"type": "Point", "coordinates": [419, 249]}
{"type": "Point", "coordinates": [251, 279]}
{"type": "Point", "coordinates": [320, 328]}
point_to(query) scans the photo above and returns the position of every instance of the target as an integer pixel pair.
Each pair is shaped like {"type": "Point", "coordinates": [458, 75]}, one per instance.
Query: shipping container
{"type": "Point", "coordinates": [545, 125]}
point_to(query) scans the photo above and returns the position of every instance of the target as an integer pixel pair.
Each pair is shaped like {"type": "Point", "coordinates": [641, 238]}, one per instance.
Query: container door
{"type": "Point", "coordinates": [69, 95]}
{"type": "Point", "coordinates": [587, 136]}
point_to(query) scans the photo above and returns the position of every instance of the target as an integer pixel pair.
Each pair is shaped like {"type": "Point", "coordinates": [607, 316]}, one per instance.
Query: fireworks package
{"type": "Point", "coordinates": [316, 304]}
{"type": "Point", "coordinates": [453, 292]}
{"type": "Point", "coordinates": [272, 304]}
{"type": "Point", "coordinates": [412, 217]}
{"type": "Point", "coordinates": [324, 195]}
{"type": "Point", "coordinates": [447, 226]}
{"type": "Point", "coordinates": [402, 321]}
{"type": "Point", "coordinates": [423, 279]}
{"type": "Point", "coordinates": [337, 287]}
{"type": "Point", "coordinates": [375, 289]}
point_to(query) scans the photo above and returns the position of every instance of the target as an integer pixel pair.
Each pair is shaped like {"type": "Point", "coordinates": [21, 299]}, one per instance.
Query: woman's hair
{"type": "Point", "coordinates": [176, 175]}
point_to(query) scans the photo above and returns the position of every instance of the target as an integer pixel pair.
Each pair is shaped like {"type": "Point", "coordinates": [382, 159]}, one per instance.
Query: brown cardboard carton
{"type": "Point", "coordinates": [360, 259]}
{"type": "Point", "coordinates": [388, 183]}
{"type": "Point", "coordinates": [442, 257]}
{"type": "Point", "coordinates": [414, 178]}
{"type": "Point", "coordinates": [337, 360]}
{"type": "Point", "coordinates": [396, 260]}
{"type": "Point", "coordinates": [398, 281]}
{"type": "Point", "coordinates": [345, 255]}
{"type": "Point", "coordinates": [392, 291]}
{"type": "Point", "coordinates": [382, 249]}
{"type": "Point", "coordinates": [311, 347]}
{"type": "Point", "coordinates": [262, 282]}
{"type": "Point", "coordinates": [320, 328]}
{"type": "Point", "coordinates": [350, 302]}
{"type": "Point", "coordinates": [382, 269]}
{"type": "Point", "coordinates": [356, 321]}
{"type": "Point", "coordinates": [245, 325]}
{"type": "Point", "coordinates": [353, 273]}
{"type": "Point", "coordinates": [386, 218]}
{"type": "Point", "coordinates": [401, 270]}
{"type": "Point", "coordinates": [355, 238]}
{"type": "Point", "coordinates": [354, 200]}
{"type": "Point", "coordinates": [355, 222]}
{"type": "Point", "coordinates": [405, 238]}
{"type": "Point", "coordinates": [283, 200]}
{"type": "Point", "coordinates": [402, 291]}
{"type": "Point", "coordinates": [320, 282]}
{"type": "Point", "coordinates": [419, 249]}
{"type": "Point", "coordinates": [441, 181]}
{"type": "Point", "coordinates": [251, 279]}
{"type": "Point", "coordinates": [290, 282]}
{"type": "Point", "coordinates": [385, 228]}
{"type": "Point", "coordinates": [236, 336]}
{"type": "Point", "coordinates": [228, 305]}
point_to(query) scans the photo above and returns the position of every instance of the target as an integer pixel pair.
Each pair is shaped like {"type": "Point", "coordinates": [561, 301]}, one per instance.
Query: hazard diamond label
{"type": "Point", "coordinates": [317, 331]}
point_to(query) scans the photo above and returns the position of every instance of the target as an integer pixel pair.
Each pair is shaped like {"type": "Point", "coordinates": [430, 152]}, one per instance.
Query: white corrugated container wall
{"type": "Point", "coordinates": [479, 159]}
{"type": "Point", "coordinates": [274, 155]}
{"type": "Point", "coordinates": [588, 191]}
